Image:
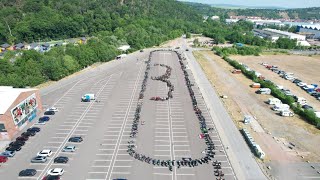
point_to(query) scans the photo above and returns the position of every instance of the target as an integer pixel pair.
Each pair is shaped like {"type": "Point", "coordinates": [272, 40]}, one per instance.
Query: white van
{"type": "Point", "coordinates": [273, 101]}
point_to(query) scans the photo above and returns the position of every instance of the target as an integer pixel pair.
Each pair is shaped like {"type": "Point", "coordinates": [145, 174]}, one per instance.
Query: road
{"type": "Point", "coordinates": [171, 130]}
{"type": "Point", "coordinates": [240, 155]}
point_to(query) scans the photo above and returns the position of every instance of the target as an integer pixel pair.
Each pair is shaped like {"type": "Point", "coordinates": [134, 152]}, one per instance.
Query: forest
{"type": "Point", "coordinates": [311, 13]}
{"type": "Point", "coordinates": [111, 23]}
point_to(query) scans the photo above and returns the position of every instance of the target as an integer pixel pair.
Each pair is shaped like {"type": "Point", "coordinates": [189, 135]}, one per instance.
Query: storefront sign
{"type": "Point", "coordinates": [24, 108]}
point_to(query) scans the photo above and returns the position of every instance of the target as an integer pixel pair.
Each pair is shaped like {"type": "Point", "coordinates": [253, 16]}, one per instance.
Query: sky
{"type": "Point", "coordinates": [277, 3]}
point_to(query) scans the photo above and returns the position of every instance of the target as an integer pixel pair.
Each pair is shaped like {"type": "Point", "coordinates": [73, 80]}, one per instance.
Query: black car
{"type": "Point", "coordinates": [13, 148]}
{"type": "Point", "coordinates": [28, 172]}
{"type": "Point", "coordinates": [17, 143]}
{"type": "Point", "coordinates": [44, 118]}
{"type": "Point", "coordinates": [296, 81]}
{"type": "Point", "coordinates": [307, 107]}
{"type": "Point", "coordinates": [22, 138]}
{"type": "Point", "coordinates": [61, 159]}
{"type": "Point", "coordinates": [76, 139]}
{"type": "Point", "coordinates": [33, 129]}
{"type": "Point", "coordinates": [28, 133]}
{"type": "Point", "coordinates": [49, 113]}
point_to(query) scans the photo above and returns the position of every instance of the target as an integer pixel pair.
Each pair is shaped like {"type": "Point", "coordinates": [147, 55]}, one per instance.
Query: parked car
{"type": "Point", "coordinates": [13, 148]}
{"type": "Point", "coordinates": [296, 81]}
{"type": "Point", "coordinates": [17, 143]}
{"type": "Point", "coordinates": [61, 159]}
{"type": "Point", "coordinates": [44, 118]}
{"type": "Point", "coordinates": [39, 159]}
{"type": "Point", "coordinates": [8, 153]}
{"type": "Point", "coordinates": [3, 159]}
{"type": "Point", "coordinates": [49, 113]}
{"type": "Point", "coordinates": [301, 84]}
{"type": "Point", "coordinates": [45, 152]}
{"type": "Point", "coordinates": [34, 129]}
{"type": "Point", "coordinates": [49, 177]}
{"type": "Point", "coordinates": [53, 109]}
{"type": "Point", "coordinates": [55, 172]}
{"type": "Point", "coordinates": [76, 139]}
{"type": "Point", "coordinates": [69, 149]}
{"type": "Point", "coordinates": [307, 107]}
{"type": "Point", "coordinates": [28, 133]}
{"type": "Point", "coordinates": [41, 123]}
{"type": "Point", "coordinates": [28, 172]}
{"type": "Point", "coordinates": [22, 138]}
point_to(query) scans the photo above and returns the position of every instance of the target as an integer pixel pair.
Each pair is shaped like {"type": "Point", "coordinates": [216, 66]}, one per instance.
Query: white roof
{"type": "Point", "coordinates": [315, 26]}
{"type": "Point", "coordinates": [124, 48]}
{"type": "Point", "coordinates": [8, 95]}
{"type": "Point", "coordinates": [285, 33]}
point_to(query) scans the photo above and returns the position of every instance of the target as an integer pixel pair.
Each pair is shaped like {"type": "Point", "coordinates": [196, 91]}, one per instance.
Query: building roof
{"type": "Point", "coordinates": [124, 48]}
{"type": "Point", "coordinates": [6, 45]}
{"type": "Point", "coordinates": [314, 27]}
{"type": "Point", "coordinates": [20, 45]}
{"type": "Point", "coordinates": [8, 95]}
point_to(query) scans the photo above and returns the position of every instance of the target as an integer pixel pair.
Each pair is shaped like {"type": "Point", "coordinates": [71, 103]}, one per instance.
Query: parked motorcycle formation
{"type": "Point", "coordinates": [164, 78]}
{"type": "Point", "coordinates": [209, 151]}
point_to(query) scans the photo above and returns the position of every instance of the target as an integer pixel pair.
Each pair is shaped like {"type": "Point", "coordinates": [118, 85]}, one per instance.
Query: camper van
{"type": "Point", "coordinates": [88, 97]}
{"type": "Point", "coordinates": [273, 101]}
{"type": "Point", "coordinates": [280, 107]}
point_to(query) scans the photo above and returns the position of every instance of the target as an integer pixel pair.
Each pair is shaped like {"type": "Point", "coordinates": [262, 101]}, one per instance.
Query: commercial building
{"type": "Point", "coordinates": [18, 107]}
{"type": "Point", "coordinates": [312, 31]}
{"type": "Point", "coordinates": [274, 35]}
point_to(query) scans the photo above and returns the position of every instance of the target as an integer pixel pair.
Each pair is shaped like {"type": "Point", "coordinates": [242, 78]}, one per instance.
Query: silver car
{"type": "Point", "coordinates": [69, 149]}
{"type": "Point", "coordinates": [39, 159]}
{"type": "Point", "coordinates": [8, 154]}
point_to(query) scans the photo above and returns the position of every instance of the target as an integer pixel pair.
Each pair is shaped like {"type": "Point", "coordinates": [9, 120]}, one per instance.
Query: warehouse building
{"type": "Point", "coordinates": [18, 107]}
{"type": "Point", "coordinates": [312, 31]}
{"type": "Point", "coordinates": [274, 35]}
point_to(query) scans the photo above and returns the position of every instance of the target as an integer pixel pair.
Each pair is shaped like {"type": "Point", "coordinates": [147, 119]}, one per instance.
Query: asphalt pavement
{"type": "Point", "coordinates": [171, 129]}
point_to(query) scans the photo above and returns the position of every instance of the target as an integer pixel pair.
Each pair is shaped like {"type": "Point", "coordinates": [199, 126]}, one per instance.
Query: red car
{"type": "Point", "coordinates": [3, 159]}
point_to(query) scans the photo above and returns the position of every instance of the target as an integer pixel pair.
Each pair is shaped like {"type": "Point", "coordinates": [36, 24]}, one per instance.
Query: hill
{"type": "Point", "coordinates": [266, 12]}
{"type": "Point", "coordinates": [34, 20]}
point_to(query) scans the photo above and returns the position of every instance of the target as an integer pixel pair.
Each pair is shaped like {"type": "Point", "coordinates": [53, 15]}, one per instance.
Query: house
{"type": "Point", "coordinates": [18, 46]}
{"type": "Point", "coordinates": [5, 46]}
{"type": "Point", "coordinates": [34, 46]}
{"type": "Point", "coordinates": [82, 40]}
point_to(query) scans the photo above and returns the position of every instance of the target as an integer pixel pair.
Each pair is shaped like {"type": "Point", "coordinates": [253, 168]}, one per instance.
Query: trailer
{"type": "Point", "coordinates": [286, 113]}
{"type": "Point", "coordinates": [255, 85]}
{"type": "Point", "coordinates": [263, 91]}
{"type": "Point", "coordinates": [273, 101]}
{"type": "Point", "coordinates": [236, 71]}
{"type": "Point", "coordinates": [280, 107]}
{"type": "Point", "coordinates": [88, 97]}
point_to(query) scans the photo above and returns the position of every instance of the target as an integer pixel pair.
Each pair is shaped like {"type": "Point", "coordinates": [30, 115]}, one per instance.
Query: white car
{"type": "Point", "coordinates": [301, 84]}
{"type": "Point", "coordinates": [53, 109]}
{"type": "Point", "coordinates": [55, 172]}
{"type": "Point", "coordinates": [69, 149]}
{"type": "Point", "coordinates": [45, 152]}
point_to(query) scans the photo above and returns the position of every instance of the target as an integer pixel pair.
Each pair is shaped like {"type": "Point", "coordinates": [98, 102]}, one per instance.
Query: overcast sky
{"type": "Point", "coordinates": [278, 3]}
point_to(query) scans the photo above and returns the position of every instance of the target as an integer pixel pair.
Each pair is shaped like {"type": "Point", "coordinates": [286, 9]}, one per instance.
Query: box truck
{"type": "Point", "coordinates": [273, 101]}
{"type": "Point", "coordinates": [88, 97]}
{"type": "Point", "coordinates": [280, 107]}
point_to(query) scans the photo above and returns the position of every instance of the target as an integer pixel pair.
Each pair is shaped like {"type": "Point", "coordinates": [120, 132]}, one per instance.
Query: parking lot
{"type": "Point", "coordinates": [171, 129]}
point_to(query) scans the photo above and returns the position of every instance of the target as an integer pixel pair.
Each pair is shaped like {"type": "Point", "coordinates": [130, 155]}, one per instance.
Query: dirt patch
{"type": "Point", "coordinates": [279, 132]}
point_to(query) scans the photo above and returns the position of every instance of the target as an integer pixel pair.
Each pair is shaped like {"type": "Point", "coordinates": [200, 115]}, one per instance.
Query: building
{"type": "Point", "coordinates": [274, 35]}
{"type": "Point", "coordinates": [312, 31]}
{"type": "Point", "coordinates": [215, 17]}
{"type": "Point", "coordinates": [18, 107]}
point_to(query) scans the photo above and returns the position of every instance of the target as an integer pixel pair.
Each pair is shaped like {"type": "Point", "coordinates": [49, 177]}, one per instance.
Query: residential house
{"type": "Point", "coordinates": [18, 46]}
